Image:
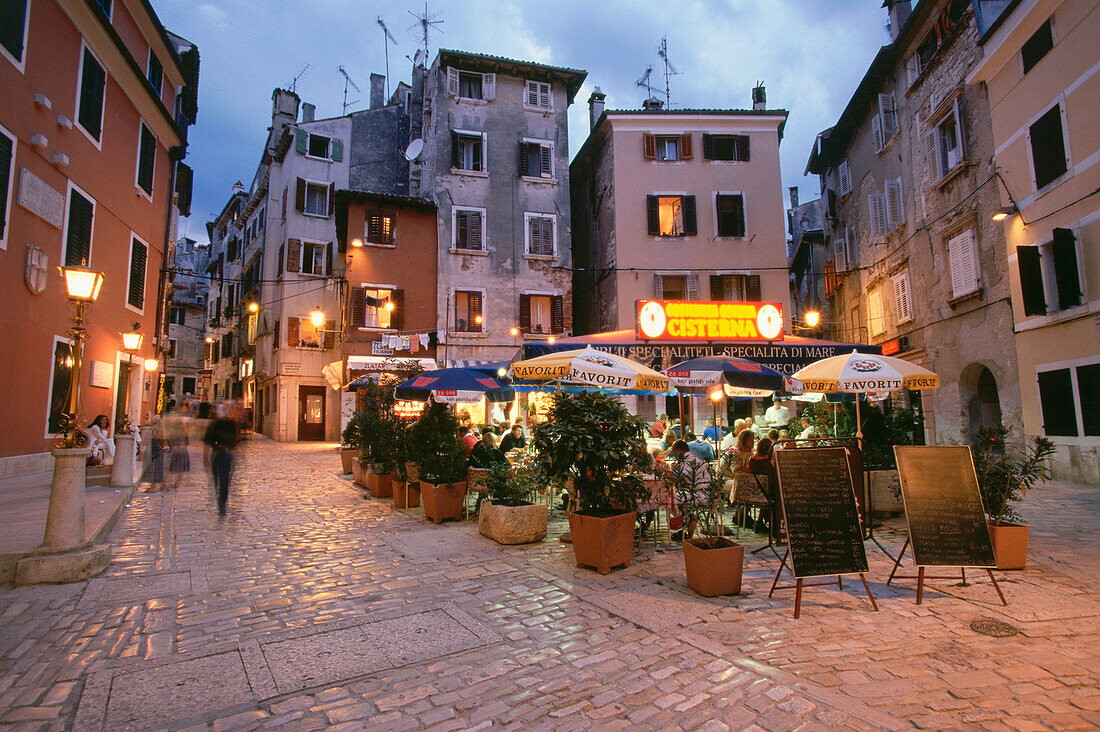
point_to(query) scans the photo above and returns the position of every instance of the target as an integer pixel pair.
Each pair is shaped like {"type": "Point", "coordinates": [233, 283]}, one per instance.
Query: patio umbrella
{"type": "Point", "coordinates": [589, 367]}
{"type": "Point", "coordinates": [739, 377]}
{"type": "Point", "coordinates": [863, 373]}
{"type": "Point", "coordinates": [452, 386]}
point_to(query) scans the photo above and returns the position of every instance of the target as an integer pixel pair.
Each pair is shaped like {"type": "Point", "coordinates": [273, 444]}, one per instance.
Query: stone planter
{"type": "Point", "coordinates": [380, 484]}
{"type": "Point", "coordinates": [712, 572]}
{"type": "Point", "coordinates": [885, 493]}
{"type": "Point", "coordinates": [412, 470]}
{"type": "Point", "coordinates": [442, 501]}
{"type": "Point", "coordinates": [1009, 545]}
{"type": "Point", "coordinates": [347, 458]}
{"type": "Point", "coordinates": [406, 494]}
{"type": "Point", "coordinates": [602, 543]}
{"type": "Point", "coordinates": [512, 524]}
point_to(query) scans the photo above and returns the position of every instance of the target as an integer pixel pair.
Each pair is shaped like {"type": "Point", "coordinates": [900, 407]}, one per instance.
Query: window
{"type": "Point", "coordinates": [962, 257]}
{"type": "Point", "coordinates": [1049, 273]}
{"type": "Point", "coordinates": [7, 177]}
{"type": "Point", "coordinates": [541, 314]}
{"type": "Point", "coordinates": [78, 229]}
{"type": "Point", "coordinates": [370, 307]}
{"type": "Point", "coordinates": [666, 147]}
{"type": "Point", "coordinates": [735, 288]}
{"type": "Point", "coordinates": [135, 292]}
{"type": "Point", "coordinates": [147, 154]}
{"type": "Point", "coordinates": [1037, 46]}
{"type": "Point", "coordinates": [944, 145]}
{"type": "Point", "coordinates": [468, 311]}
{"type": "Point", "coordinates": [845, 251]}
{"type": "Point", "coordinates": [730, 208]}
{"type": "Point", "coordinates": [676, 287]}
{"type": "Point", "coordinates": [671, 215]}
{"type": "Point", "coordinates": [471, 85]}
{"type": "Point", "coordinates": [875, 320]}
{"type": "Point", "coordinates": [171, 353]}
{"type": "Point", "coordinates": [884, 125]}
{"type": "Point", "coordinates": [536, 158]}
{"type": "Point", "coordinates": [177, 315]}
{"type": "Point", "coordinates": [13, 29]}
{"type": "Point", "coordinates": [468, 150]}
{"type": "Point", "coordinates": [468, 227]}
{"type": "Point", "coordinates": [379, 228]}
{"type": "Point", "coordinates": [537, 94]}
{"type": "Point", "coordinates": [902, 304]}
{"type": "Point", "coordinates": [316, 258]}
{"type": "Point", "coordinates": [1048, 148]}
{"type": "Point", "coordinates": [1088, 391]}
{"type": "Point", "coordinates": [726, 147]}
{"type": "Point", "coordinates": [318, 146]}
{"type": "Point", "coordinates": [895, 205]}
{"type": "Point", "coordinates": [877, 204]}
{"type": "Point", "coordinates": [314, 198]}
{"type": "Point", "coordinates": [189, 385]}
{"type": "Point", "coordinates": [540, 234]}
{"type": "Point", "coordinates": [844, 178]}
{"type": "Point", "coordinates": [301, 333]}
{"type": "Point", "coordinates": [61, 377]}
{"type": "Point", "coordinates": [1056, 398]}
{"type": "Point", "coordinates": [154, 73]}
{"type": "Point", "coordinates": [93, 79]}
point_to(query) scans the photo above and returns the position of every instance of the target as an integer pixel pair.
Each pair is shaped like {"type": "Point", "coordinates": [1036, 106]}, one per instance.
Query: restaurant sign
{"type": "Point", "coordinates": [695, 320]}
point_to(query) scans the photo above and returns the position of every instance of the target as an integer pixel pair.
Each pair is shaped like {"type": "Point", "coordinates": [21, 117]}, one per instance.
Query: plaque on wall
{"type": "Point", "coordinates": [101, 374]}
{"type": "Point", "coordinates": [40, 198]}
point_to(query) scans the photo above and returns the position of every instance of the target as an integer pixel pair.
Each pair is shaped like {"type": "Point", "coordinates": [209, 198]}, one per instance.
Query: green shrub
{"type": "Point", "coordinates": [432, 443]}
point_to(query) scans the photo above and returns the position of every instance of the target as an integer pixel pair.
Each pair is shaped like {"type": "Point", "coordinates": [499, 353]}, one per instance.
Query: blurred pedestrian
{"type": "Point", "coordinates": [153, 473]}
{"type": "Point", "coordinates": [221, 437]}
{"type": "Point", "coordinates": [175, 432]}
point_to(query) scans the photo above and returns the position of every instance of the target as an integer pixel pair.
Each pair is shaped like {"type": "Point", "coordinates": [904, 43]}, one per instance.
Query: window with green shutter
{"type": "Point", "coordinates": [135, 293]}
{"type": "Point", "coordinates": [147, 155]}
{"type": "Point", "coordinates": [93, 80]}
{"type": "Point", "coordinates": [13, 27]}
{"type": "Point", "coordinates": [7, 153]}
{"type": "Point", "coordinates": [78, 231]}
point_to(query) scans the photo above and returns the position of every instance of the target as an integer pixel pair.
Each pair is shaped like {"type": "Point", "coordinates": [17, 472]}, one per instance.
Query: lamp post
{"type": "Point", "coordinates": [82, 288]}
{"type": "Point", "coordinates": [131, 343]}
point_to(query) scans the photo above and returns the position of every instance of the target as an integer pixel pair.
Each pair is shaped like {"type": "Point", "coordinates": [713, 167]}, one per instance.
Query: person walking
{"type": "Point", "coordinates": [153, 474]}
{"type": "Point", "coordinates": [221, 437]}
{"type": "Point", "coordinates": [175, 432]}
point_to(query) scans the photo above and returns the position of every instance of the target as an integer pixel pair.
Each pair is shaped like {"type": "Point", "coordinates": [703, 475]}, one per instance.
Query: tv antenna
{"type": "Point", "coordinates": [348, 82]}
{"type": "Point", "coordinates": [387, 36]}
{"type": "Point", "coordinates": [644, 81]}
{"type": "Point", "coordinates": [670, 70]}
{"type": "Point", "coordinates": [296, 79]}
{"type": "Point", "coordinates": [427, 22]}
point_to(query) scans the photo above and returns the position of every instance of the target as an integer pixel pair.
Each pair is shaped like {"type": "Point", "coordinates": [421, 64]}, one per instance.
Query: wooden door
{"type": "Point", "coordinates": [311, 413]}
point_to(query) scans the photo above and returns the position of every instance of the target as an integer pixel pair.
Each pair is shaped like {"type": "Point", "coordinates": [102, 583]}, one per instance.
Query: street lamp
{"type": "Point", "coordinates": [514, 331]}
{"type": "Point", "coordinates": [813, 317]}
{"type": "Point", "coordinates": [1003, 213]}
{"type": "Point", "coordinates": [151, 364]}
{"type": "Point", "coordinates": [253, 307]}
{"type": "Point", "coordinates": [131, 342]}
{"type": "Point", "coordinates": [317, 318]}
{"type": "Point", "coordinates": [82, 287]}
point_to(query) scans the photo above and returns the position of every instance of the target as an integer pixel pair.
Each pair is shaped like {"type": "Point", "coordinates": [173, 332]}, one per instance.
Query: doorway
{"type": "Point", "coordinates": [984, 404]}
{"type": "Point", "coordinates": [122, 389]}
{"type": "Point", "coordinates": [311, 413]}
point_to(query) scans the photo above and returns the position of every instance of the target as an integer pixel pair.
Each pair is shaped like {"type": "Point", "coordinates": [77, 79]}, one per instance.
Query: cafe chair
{"type": "Point", "coordinates": [748, 493]}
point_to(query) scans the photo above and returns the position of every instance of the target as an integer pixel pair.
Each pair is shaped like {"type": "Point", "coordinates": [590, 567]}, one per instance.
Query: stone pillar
{"type": "Point", "coordinates": [65, 519]}
{"type": "Point", "coordinates": [122, 473]}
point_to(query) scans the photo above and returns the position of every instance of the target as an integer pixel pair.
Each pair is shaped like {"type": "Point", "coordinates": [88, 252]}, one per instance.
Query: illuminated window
{"type": "Point", "coordinates": [379, 228]}
{"type": "Point", "coordinates": [671, 215]}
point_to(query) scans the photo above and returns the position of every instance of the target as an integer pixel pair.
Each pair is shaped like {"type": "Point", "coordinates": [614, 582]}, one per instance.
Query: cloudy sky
{"type": "Point", "coordinates": [810, 54]}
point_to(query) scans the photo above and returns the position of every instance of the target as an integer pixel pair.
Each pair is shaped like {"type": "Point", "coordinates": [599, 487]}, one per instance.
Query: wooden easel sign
{"type": "Point", "coordinates": [824, 536]}
{"type": "Point", "coordinates": [944, 511]}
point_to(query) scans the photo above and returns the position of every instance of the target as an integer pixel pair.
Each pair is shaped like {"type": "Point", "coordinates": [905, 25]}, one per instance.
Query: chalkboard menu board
{"type": "Point", "coordinates": [822, 518]}
{"type": "Point", "coordinates": [943, 507]}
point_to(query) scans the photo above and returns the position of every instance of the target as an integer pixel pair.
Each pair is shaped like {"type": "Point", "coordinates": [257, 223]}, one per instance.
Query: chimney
{"type": "Point", "coordinates": [794, 196]}
{"type": "Point", "coordinates": [653, 104]}
{"type": "Point", "coordinates": [284, 109]}
{"type": "Point", "coordinates": [377, 91]}
{"type": "Point", "coordinates": [899, 11]}
{"type": "Point", "coordinates": [759, 99]}
{"type": "Point", "coordinates": [595, 107]}
{"type": "Point", "coordinates": [309, 112]}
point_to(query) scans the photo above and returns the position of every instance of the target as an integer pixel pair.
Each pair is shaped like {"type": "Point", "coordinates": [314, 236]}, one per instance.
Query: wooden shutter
{"type": "Point", "coordinates": [840, 255]}
{"type": "Point", "coordinates": [338, 150]}
{"type": "Point", "coordinates": [473, 300]}
{"type": "Point", "coordinates": [741, 148]}
{"type": "Point", "coordinates": [845, 178]}
{"type": "Point", "coordinates": [692, 286]}
{"type": "Point", "coordinates": [878, 214]}
{"type": "Point", "coordinates": [752, 288]}
{"type": "Point", "coordinates": [932, 152]}
{"type": "Point", "coordinates": [545, 98]}
{"type": "Point", "coordinates": [456, 151]}
{"type": "Point", "coordinates": [889, 117]}
{"type": "Point", "coordinates": [717, 289]}
{"type": "Point", "coordinates": [1064, 249]}
{"type": "Point", "coordinates": [532, 93]}
{"type": "Point", "coordinates": [275, 336]}
{"type": "Point", "coordinates": [488, 87]}
{"type": "Point", "coordinates": [649, 146]}
{"type": "Point", "coordinates": [6, 152]}
{"type": "Point", "coordinates": [960, 257]}
{"type": "Point", "coordinates": [557, 314]}
{"type": "Point", "coordinates": [358, 307]}
{"type": "Point", "coordinates": [331, 198]}
{"type": "Point", "coordinates": [525, 313]}
{"type": "Point", "coordinates": [92, 81]}
{"type": "Point", "coordinates": [300, 195]}
{"type": "Point", "coordinates": [78, 240]}
{"type": "Point", "coordinates": [328, 259]}
{"type": "Point", "coordinates": [138, 255]}
{"type": "Point", "coordinates": [293, 255]}
{"type": "Point", "coordinates": [545, 169]}
{"type": "Point", "coordinates": [689, 215]}
{"type": "Point", "coordinates": [685, 146]}
{"type": "Point", "coordinates": [895, 208]}
{"type": "Point", "coordinates": [147, 155]}
{"type": "Point", "coordinates": [397, 315]}
{"type": "Point", "coordinates": [876, 132]}
{"type": "Point", "coordinates": [301, 141]}
{"type": "Point", "coordinates": [292, 339]}
{"type": "Point", "coordinates": [658, 287]}
{"type": "Point", "coordinates": [11, 30]}
{"type": "Point", "coordinates": [1031, 280]}
{"type": "Point", "coordinates": [1056, 398]}
{"type": "Point", "coordinates": [279, 268]}
{"type": "Point", "coordinates": [653, 215]}
{"type": "Point", "coordinates": [330, 335]}
{"type": "Point", "coordinates": [473, 219]}
{"type": "Point", "coordinates": [902, 304]}
{"type": "Point", "coordinates": [739, 227]}
{"type": "Point", "coordinates": [830, 198]}
{"type": "Point", "coordinates": [452, 81]}
{"type": "Point", "coordinates": [1048, 147]}
{"type": "Point", "coordinates": [524, 166]}
{"type": "Point", "coordinates": [708, 146]}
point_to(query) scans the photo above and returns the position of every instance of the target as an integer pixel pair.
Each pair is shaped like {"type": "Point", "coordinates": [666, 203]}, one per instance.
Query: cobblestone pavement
{"type": "Point", "coordinates": [311, 607]}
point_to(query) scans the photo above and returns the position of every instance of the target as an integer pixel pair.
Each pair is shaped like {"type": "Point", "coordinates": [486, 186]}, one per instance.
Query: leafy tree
{"type": "Point", "coordinates": [1006, 472]}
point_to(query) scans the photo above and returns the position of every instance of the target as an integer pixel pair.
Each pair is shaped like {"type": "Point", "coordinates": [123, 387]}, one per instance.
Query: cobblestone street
{"type": "Point", "coordinates": [311, 607]}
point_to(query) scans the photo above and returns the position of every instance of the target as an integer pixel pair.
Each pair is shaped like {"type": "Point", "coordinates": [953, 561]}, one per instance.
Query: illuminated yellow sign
{"type": "Point", "coordinates": [693, 320]}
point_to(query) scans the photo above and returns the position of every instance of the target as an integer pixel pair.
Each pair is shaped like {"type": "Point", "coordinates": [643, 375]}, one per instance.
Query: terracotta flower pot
{"type": "Point", "coordinates": [512, 524]}
{"type": "Point", "coordinates": [359, 472]}
{"type": "Point", "coordinates": [347, 458]}
{"type": "Point", "coordinates": [602, 543]}
{"type": "Point", "coordinates": [712, 572]}
{"type": "Point", "coordinates": [381, 485]}
{"type": "Point", "coordinates": [406, 494]}
{"type": "Point", "coordinates": [413, 471]}
{"type": "Point", "coordinates": [442, 501]}
{"type": "Point", "coordinates": [1009, 545]}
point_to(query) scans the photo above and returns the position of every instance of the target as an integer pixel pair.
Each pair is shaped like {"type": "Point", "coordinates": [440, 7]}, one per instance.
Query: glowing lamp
{"type": "Point", "coordinates": [132, 341]}
{"type": "Point", "coordinates": [478, 319]}
{"type": "Point", "coordinates": [211, 339]}
{"type": "Point", "coordinates": [357, 242]}
{"type": "Point", "coordinates": [81, 284]}
{"type": "Point", "coordinates": [151, 364]}
{"type": "Point", "coordinates": [813, 318]}
{"type": "Point", "coordinates": [1003, 213]}
{"type": "Point", "coordinates": [716, 395]}
{"type": "Point", "coordinates": [390, 306]}
{"type": "Point", "coordinates": [317, 317]}
{"type": "Point", "coordinates": [551, 340]}
{"type": "Point", "coordinates": [253, 307]}
{"type": "Point", "coordinates": [514, 331]}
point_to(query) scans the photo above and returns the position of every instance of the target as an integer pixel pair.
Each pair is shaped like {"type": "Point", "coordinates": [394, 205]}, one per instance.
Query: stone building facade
{"type": "Point", "coordinates": [183, 358]}
{"type": "Point", "coordinates": [910, 186]}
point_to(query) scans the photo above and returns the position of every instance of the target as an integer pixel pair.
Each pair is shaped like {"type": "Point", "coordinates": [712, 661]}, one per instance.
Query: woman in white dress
{"type": "Point", "coordinates": [100, 443]}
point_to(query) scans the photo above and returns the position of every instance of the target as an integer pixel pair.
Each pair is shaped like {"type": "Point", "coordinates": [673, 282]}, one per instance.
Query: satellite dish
{"type": "Point", "coordinates": [412, 152]}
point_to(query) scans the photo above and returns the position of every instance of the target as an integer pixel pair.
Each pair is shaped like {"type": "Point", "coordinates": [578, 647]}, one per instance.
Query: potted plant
{"type": "Point", "coordinates": [433, 442]}
{"type": "Point", "coordinates": [506, 515]}
{"type": "Point", "coordinates": [1005, 473]}
{"type": "Point", "coordinates": [588, 437]}
{"type": "Point", "coordinates": [349, 444]}
{"type": "Point", "coordinates": [379, 429]}
{"type": "Point", "coordinates": [713, 561]}
{"type": "Point", "coordinates": [406, 489]}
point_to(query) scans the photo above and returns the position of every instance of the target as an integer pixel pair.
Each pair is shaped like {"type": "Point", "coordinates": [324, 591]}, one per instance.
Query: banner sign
{"type": "Point", "coordinates": [694, 320]}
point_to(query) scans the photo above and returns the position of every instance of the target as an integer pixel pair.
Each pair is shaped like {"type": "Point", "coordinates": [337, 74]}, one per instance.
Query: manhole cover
{"type": "Point", "coordinates": [993, 628]}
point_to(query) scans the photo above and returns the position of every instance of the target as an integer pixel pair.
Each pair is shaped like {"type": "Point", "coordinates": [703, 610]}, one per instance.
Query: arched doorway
{"type": "Point", "coordinates": [984, 404]}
